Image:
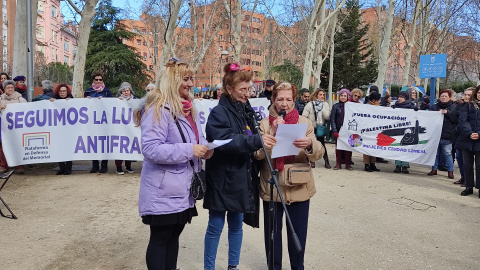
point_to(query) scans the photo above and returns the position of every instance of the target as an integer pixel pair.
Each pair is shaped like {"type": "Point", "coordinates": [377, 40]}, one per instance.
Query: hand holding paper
{"type": "Point", "coordinates": [217, 143]}
{"type": "Point", "coordinates": [286, 135]}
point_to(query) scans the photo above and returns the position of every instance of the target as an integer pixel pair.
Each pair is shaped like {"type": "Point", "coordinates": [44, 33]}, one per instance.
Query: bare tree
{"type": "Point", "coordinates": [385, 44]}
{"type": "Point", "coordinates": [86, 13]}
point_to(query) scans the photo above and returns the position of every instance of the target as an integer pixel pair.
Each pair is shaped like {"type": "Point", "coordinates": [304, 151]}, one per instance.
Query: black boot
{"type": "Point", "coordinates": [467, 191]}
{"type": "Point", "coordinates": [398, 169]}
{"type": "Point", "coordinates": [68, 168]}
{"type": "Point", "coordinates": [95, 166]}
{"type": "Point", "coordinates": [368, 168]}
{"type": "Point", "coordinates": [374, 168]}
{"type": "Point", "coordinates": [104, 167]}
{"type": "Point", "coordinates": [62, 168]}
{"type": "Point", "coordinates": [405, 170]}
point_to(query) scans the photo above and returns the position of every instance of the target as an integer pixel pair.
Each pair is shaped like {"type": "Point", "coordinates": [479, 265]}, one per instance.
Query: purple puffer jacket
{"type": "Point", "coordinates": [167, 173]}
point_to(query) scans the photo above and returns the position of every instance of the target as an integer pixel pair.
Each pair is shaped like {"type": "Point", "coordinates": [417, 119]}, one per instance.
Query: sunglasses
{"type": "Point", "coordinates": [356, 96]}
{"type": "Point", "coordinates": [98, 80]}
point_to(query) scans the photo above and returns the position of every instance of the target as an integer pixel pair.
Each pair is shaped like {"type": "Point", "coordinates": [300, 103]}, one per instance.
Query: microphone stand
{"type": "Point", "coordinates": [271, 206]}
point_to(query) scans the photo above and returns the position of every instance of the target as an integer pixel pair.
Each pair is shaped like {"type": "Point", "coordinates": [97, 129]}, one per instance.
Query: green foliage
{"type": "Point", "coordinates": [54, 71]}
{"type": "Point", "coordinates": [354, 60]}
{"type": "Point", "coordinates": [288, 72]}
{"type": "Point", "coordinates": [457, 86]}
{"type": "Point", "coordinates": [107, 53]}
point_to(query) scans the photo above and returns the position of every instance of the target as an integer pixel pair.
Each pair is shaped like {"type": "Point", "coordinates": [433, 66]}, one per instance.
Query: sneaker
{"type": "Point", "coordinates": [230, 267]}
{"type": "Point", "coordinates": [129, 170]}
{"type": "Point", "coordinates": [120, 171]}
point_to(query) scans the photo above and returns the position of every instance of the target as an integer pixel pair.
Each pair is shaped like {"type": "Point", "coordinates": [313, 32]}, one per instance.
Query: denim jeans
{"type": "Point", "coordinates": [459, 156]}
{"type": "Point", "coordinates": [216, 220]}
{"type": "Point", "coordinates": [444, 149]}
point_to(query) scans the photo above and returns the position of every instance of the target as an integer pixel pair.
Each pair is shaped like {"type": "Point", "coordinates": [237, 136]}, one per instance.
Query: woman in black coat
{"type": "Point", "coordinates": [231, 177]}
{"type": "Point", "coordinates": [469, 141]}
{"type": "Point", "coordinates": [448, 109]}
{"type": "Point", "coordinates": [336, 121]}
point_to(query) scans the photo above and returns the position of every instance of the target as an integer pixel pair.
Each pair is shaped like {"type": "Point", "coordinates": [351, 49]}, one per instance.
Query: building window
{"type": "Point", "coordinates": [65, 45]}
{"type": "Point", "coordinates": [54, 36]}
{"type": "Point", "coordinates": [41, 6]}
{"type": "Point", "coordinates": [41, 32]}
{"type": "Point", "coordinates": [135, 30]}
{"type": "Point", "coordinates": [54, 11]}
{"type": "Point", "coordinates": [144, 31]}
{"type": "Point", "coordinates": [151, 67]}
{"type": "Point", "coordinates": [139, 42]}
{"type": "Point", "coordinates": [220, 48]}
{"type": "Point", "coordinates": [66, 60]}
{"type": "Point", "coordinates": [220, 37]}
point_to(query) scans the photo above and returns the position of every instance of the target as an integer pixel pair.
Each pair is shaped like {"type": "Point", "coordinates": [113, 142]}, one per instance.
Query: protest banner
{"type": "Point", "coordinates": [398, 134]}
{"type": "Point", "coordinates": [81, 129]}
{"type": "Point", "coordinates": [75, 129]}
{"type": "Point", "coordinates": [205, 106]}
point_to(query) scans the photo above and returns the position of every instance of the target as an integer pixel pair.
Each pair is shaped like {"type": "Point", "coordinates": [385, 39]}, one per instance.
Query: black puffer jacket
{"type": "Point", "coordinates": [407, 104]}
{"type": "Point", "coordinates": [450, 119]}
{"type": "Point", "coordinates": [469, 122]}
{"type": "Point", "coordinates": [336, 119]}
{"type": "Point", "coordinates": [229, 171]}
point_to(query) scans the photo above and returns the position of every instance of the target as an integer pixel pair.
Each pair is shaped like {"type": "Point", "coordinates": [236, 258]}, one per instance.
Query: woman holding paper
{"type": "Point", "coordinates": [336, 121]}
{"type": "Point", "coordinates": [231, 176]}
{"type": "Point", "coordinates": [172, 145]}
{"type": "Point", "coordinates": [297, 195]}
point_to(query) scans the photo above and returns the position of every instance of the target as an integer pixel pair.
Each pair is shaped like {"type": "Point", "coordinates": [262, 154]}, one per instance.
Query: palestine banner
{"type": "Point", "coordinates": [397, 134]}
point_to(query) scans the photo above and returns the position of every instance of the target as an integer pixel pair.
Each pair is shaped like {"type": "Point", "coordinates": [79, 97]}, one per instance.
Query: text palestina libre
{"type": "Point", "coordinates": [378, 116]}
{"type": "Point", "coordinates": [62, 117]}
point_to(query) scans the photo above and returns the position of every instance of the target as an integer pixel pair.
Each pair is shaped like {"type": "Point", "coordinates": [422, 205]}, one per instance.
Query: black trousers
{"type": "Point", "coordinates": [299, 215]}
{"type": "Point", "coordinates": [322, 140]}
{"type": "Point", "coordinates": [162, 250]}
{"type": "Point", "coordinates": [96, 163]}
{"type": "Point", "coordinates": [468, 160]}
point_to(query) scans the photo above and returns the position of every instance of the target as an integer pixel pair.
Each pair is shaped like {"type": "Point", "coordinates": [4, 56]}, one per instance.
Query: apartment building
{"type": "Point", "coordinates": [7, 21]}
{"type": "Point", "coordinates": [56, 40]}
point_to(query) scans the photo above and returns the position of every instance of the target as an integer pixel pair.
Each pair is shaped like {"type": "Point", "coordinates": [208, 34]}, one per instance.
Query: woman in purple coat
{"type": "Point", "coordinates": [164, 201]}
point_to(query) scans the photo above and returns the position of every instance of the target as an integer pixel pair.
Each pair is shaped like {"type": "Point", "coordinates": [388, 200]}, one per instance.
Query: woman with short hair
{"type": "Point", "coordinates": [336, 121]}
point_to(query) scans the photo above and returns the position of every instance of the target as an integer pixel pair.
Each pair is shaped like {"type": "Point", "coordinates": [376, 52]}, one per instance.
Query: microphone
{"type": "Point", "coordinates": [282, 113]}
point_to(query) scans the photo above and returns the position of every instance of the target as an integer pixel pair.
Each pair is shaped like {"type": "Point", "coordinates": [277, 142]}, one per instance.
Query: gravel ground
{"type": "Point", "coordinates": [358, 220]}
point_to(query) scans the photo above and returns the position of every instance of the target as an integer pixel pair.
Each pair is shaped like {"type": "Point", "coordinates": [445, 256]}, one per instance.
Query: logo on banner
{"type": "Point", "coordinates": [355, 140]}
{"type": "Point", "coordinates": [36, 145]}
{"type": "Point", "coordinates": [405, 136]}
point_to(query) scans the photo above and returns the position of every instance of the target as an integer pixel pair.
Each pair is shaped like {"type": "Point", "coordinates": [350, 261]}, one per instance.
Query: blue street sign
{"type": "Point", "coordinates": [433, 66]}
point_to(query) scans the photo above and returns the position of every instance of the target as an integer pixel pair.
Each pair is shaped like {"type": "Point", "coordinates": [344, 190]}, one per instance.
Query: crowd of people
{"type": "Point", "coordinates": [237, 174]}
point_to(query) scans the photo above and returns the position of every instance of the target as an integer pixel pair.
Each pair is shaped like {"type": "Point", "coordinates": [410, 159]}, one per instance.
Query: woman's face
{"type": "Point", "coordinates": [219, 92]}
{"type": "Point", "coordinates": [414, 95]}
{"type": "Point", "coordinates": [9, 89]}
{"type": "Point", "coordinates": [478, 95]}
{"type": "Point", "coordinates": [467, 95]}
{"type": "Point", "coordinates": [150, 88]}
{"type": "Point", "coordinates": [98, 80]}
{"type": "Point", "coordinates": [284, 100]}
{"type": "Point", "coordinates": [3, 78]}
{"type": "Point", "coordinates": [126, 92]}
{"type": "Point", "coordinates": [343, 97]}
{"type": "Point", "coordinates": [444, 98]}
{"type": "Point", "coordinates": [185, 86]}
{"type": "Point", "coordinates": [20, 83]}
{"type": "Point", "coordinates": [401, 99]}
{"type": "Point", "coordinates": [63, 92]}
{"type": "Point", "coordinates": [321, 96]}
{"type": "Point", "coordinates": [241, 92]}
{"type": "Point", "coordinates": [355, 97]}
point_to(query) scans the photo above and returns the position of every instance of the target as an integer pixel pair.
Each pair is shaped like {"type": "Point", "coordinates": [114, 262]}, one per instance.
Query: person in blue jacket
{"type": "Point", "coordinates": [98, 90]}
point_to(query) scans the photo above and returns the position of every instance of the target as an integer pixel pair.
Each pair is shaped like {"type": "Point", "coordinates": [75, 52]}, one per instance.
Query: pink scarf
{"type": "Point", "coordinates": [98, 87]}
{"type": "Point", "coordinates": [187, 107]}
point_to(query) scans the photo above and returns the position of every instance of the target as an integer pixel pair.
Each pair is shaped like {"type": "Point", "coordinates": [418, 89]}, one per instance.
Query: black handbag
{"type": "Point", "coordinates": [198, 186]}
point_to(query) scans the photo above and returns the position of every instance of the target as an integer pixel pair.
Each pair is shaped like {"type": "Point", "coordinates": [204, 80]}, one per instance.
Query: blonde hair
{"type": "Point", "coordinates": [357, 91]}
{"type": "Point", "coordinates": [166, 91]}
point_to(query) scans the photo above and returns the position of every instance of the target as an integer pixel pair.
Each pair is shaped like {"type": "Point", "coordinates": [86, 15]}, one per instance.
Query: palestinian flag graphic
{"type": "Point", "coordinates": [401, 136]}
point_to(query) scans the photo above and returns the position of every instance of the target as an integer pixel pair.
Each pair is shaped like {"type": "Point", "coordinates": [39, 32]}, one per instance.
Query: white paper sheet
{"type": "Point", "coordinates": [217, 143]}
{"type": "Point", "coordinates": [286, 134]}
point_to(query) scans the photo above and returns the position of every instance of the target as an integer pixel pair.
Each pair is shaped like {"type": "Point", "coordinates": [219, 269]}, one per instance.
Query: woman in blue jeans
{"type": "Point", "coordinates": [450, 120]}
{"type": "Point", "coordinates": [231, 177]}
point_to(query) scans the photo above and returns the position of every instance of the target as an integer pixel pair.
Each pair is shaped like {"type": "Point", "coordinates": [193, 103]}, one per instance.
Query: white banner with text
{"type": "Point", "coordinates": [398, 134]}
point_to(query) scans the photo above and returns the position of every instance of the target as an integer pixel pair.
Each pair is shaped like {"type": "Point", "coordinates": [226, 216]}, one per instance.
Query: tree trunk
{"type": "Point", "coordinates": [20, 39]}
{"type": "Point", "coordinates": [84, 28]}
{"type": "Point", "coordinates": [168, 38]}
{"type": "Point", "coordinates": [411, 42]}
{"type": "Point", "coordinates": [332, 55]}
{"type": "Point", "coordinates": [383, 57]}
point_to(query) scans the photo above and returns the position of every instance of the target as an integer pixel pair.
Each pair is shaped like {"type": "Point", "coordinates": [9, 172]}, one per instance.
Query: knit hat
{"type": "Point", "coordinates": [403, 94]}
{"type": "Point", "coordinates": [19, 78]}
{"type": "Point", "coordinates": [7, 82]}
{"type": "Point", "coordinates": [47, 85]}
{"type": "Point", "coordinates": [270, 83]}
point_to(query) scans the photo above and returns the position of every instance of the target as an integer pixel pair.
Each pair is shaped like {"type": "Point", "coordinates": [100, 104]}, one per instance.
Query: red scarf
{"type": "Point", "coordinates": [291, 118]}
{"type": "Point", "coordinates": [21, 89]}
{"type": "Point", "coordinates": [187, 107]}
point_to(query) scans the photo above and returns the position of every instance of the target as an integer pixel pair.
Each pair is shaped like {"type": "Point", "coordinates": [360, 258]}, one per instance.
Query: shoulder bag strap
{"type": "Point", "coordinates": [184, 140]}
